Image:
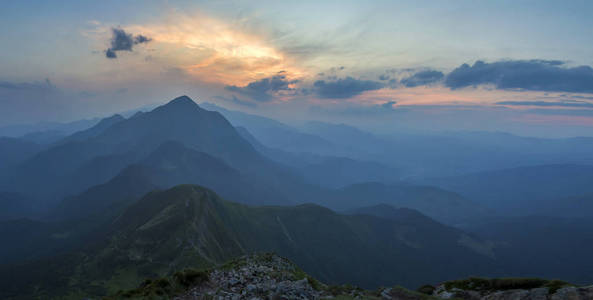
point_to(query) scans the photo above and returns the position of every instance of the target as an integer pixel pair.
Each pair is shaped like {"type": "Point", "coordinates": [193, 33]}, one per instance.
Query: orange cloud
{"type": "Point", "coordinates": [430, 95]}
{"type": "Point", "coordinates": [213, 51]}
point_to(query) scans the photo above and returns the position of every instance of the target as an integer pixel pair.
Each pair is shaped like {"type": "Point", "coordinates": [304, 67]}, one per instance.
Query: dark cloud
{"type": "Point", "coordinates": [386, 108]}
{"type": "Point", "coordinates": [534, 75]}
{"type": "Point", "coordinates": [139, 39]}
{"type": "Point", "coordinates": [264, 89]}
{"type": "Point", "coordinates": [425, 77]}
{"type": "Point", "coordinates": [122, 41]}
{"type": "Point", "coordinates": [344, 88]}
{"type": "Point", "coordinates": [237, 101]}
{"type": "Point", "coordinates": [384, 77]}
{"type": "Point", "coordinates": [548, 103]}
{"type": "Point", "coordinates": [110, 53]}
{"type": "Point", "coordinates": [388, 104]}
{"type": "Point", "coordinates": [44, 85]}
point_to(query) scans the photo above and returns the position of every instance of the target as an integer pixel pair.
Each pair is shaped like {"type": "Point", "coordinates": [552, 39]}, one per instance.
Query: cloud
{"type": "Point", "coordinates": [388, 104]}
{"type": "Point", "coordinates": [547, 103]}
{"type": "Point", "coordinates": [344, 88]}
{"type": "Point", "coordinates": [264, 89]}
{"type": "Point", "coordinates": [579, 97]}
{"type": "Point", "coordinates": [534, 75]}
{"type": "Point", "coordinates": [45, 85]}
{"type": "Point", "coordinates": [237, 101]}
{"type": "Point", "coordinates": [139, 39]}
{"type": "Point", "coordinates": [357, 110]}
{"type": "Point", "coordinates": [425, 77]}
{"type": "Point", "coordinates": [562, 112]}
{"type": "Point", "coordinates": [110, 53]}
{"type": "Point", "coordinates": [122, 41]}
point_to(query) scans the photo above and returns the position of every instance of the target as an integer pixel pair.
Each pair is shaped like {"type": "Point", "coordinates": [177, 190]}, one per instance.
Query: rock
{"type": "Point", "coordinates": [573, 293]}
{"type": "Point", "coordinates": [543, 293]}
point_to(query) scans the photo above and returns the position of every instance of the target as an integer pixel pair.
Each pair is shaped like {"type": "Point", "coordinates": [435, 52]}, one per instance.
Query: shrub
{"type": "Point", "coordinates": [190, 277]}
{"type": "Point", "coordinates": [501, 284]}
{"type": "Point", "coordinates": [426, 289]}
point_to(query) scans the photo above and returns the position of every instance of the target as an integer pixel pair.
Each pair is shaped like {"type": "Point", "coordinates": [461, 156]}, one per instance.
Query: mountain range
{"type": "Point", "coordinates": [179, 186]}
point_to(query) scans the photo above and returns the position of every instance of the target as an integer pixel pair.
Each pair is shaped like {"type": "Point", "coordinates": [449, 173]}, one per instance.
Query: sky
{"type": "Point", "coordinates": [517, 66]}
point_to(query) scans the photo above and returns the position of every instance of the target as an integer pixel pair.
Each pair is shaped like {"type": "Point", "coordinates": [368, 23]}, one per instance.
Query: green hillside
{"type": "Point", "coordinates": [190, 226]}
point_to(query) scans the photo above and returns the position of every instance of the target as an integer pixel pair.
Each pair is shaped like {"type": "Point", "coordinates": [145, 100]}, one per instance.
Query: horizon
{"type": "Point", "coordinates": [21, 129]}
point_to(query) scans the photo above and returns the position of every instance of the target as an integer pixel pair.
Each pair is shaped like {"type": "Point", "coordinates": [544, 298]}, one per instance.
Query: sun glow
{"type": "Point", "coordinates": [217, 52]}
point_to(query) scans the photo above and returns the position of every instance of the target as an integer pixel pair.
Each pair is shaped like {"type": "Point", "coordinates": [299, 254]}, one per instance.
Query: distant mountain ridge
{"type": "Point", "coordinates": [529, 190]}
{"type": "Point", "coordinates": [442, 205]}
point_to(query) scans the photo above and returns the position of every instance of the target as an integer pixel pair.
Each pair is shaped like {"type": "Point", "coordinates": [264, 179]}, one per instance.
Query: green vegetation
{"type": "Point", "coordinates": [345, 289]}
{"type": "Point", "coordinates": [164, 288]}
{"type": "Point", "coordinates": [399, 292]}
{"type": "Point", "coordinates": [190, 277]}
{"type": "Point", "coordinates": [426, 289]}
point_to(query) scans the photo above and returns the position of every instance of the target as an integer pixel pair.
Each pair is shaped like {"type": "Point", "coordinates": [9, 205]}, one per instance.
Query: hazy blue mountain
{"type": "Point", "coordinates": [173, 164]}
{"type": "Point", "coordinates": [46, 137]}
{"type": "Point", "coordinates": [107, 199]}
{"type": "Point", "coordinates": [94, 131]}
{"type": "Point", "coordinates": [12, 152]}
{"type": "Point", "coordinates": [444, 206]}
{"type": "Point", "coordinates": [275, 134]}
{"type": "Point", "coordinates": [572, 206]}
{"type": "Point", "coordinates": [76, 164]}
{"type": "Point", "coordinates": [457, 153]}
{"type": "Point", "coordinates": [525, 190]}
{"type": "Point", "coordinates": [15, 206]}
{"type": "Point", "coordinates": [337, 172]}
{"type": "Point", "coordinates": [66, 128]}
{"type": "Point", "coordinates": [32, 240]}
{"type": "Point", "coordinates": [542, 246]}
{"type": "Point", "coordinates": [540, 149]}
{"type": "Point", "coordinates": [72, 167]}
{"type": "Point", "coordinates": [15, 150]}
{"type": "Point", "coordinates": [417, 155]}
{"type": "Point", "coordinates": [390, 212]}
{"type": "Point", "coordinates": [327, 171]}
{"type": "Point", "coordinates": [358, 143]}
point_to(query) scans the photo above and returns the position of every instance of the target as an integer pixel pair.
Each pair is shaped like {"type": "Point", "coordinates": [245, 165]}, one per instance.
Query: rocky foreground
{"type": "Point", "coordinates": [510, 289]}
{"type": "Point", "coordinates": [268, 276]}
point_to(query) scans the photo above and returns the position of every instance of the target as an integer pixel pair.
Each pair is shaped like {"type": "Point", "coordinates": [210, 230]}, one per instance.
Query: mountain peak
{"type": "Point", "coordinates": [182, 100]}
